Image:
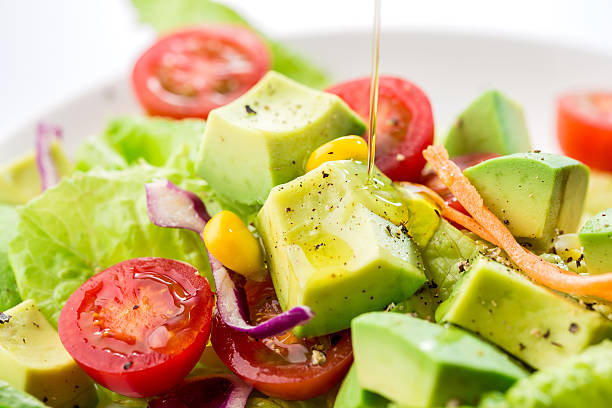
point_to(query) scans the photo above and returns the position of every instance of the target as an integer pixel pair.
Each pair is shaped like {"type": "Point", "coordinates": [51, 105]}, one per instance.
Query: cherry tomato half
{"type": "Point", "coordinates": [283, 366]}
{"type": "Point", "coordinates": [431, 180]}
{"type": "Point", "coordinates": [404, 124]}
{"type": "Point", "coordinates": [140, 326]}
{"type": "Point", "coordinates": [192, 71]}
{"type": "Point", "coordinates": [584, 128]}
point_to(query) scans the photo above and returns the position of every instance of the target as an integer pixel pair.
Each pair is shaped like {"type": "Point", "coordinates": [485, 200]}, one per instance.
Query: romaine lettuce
{"type": "Point", "coordinates": [11, 397]}
{"type": "Point", "coordinates": [166, 16]}
{"type": "Point", "coordinates": [90, 222]}
{"type": "Point", "coordinates": [9, 296]}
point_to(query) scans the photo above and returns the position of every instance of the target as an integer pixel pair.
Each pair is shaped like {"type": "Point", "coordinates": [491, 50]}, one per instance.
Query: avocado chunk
{"type": "Point", "coordinates": [493, 123]}
{"type": "Point", "coordinates": [596, 239]}
{"type": "Point", "coordinates": [580, 381]}
{"type": "Point", "coordinates": [446, 255]}
{"type": "Point", "coordinates": [20, 180]}
{"type": "Point", "coordinates": [329, 236]}
{"type": "Point", "coordinates": [530, 322]}
{"type": "Point", "coordinates": [352, 395]}
{"type": "Point", "coordinates": [34, 360]}
{"type": "Point", "coordinates": [420, 364]}
{"type": "Point", "coordinates": [534, 194]}
{"type": "Point", "coordinates": [9, 295]}
{"type": "Point", "coordinates": [264, 138]}
{"type": "Point", "coordinates": [424, 214]}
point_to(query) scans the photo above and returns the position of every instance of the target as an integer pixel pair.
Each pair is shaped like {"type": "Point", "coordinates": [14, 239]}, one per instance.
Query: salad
{"type": "Point", "coordinates": [232, 248]}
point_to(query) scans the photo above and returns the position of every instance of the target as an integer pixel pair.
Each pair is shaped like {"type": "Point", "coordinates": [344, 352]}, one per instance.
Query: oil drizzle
{"type": "Point", "coordinates": [374, 89]}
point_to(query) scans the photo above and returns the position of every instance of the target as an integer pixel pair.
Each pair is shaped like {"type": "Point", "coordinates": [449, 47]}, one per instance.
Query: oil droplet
{"type": "Point", "coordinates": [374, 89]}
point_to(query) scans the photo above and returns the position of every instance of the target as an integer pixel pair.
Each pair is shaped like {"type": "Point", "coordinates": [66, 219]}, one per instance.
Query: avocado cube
{"type": "Point", "coordinates": [534, 194]}
{"type": "Point", "coordinates": [20, 179]}
{"type": "Point", "coordinates": [330, 237]}
{"type": "Point", "coordinates": [352, 394]}
{"type": "Point", "coordinates": [529, 321]}
{"type": "Point", "coordinates": [264, 138]}
{"type": "Point", "coordinates": [596, 240]}
{"type": "Point", "coordinates": [493, 123]}
{"type": "Point", "coordinates": [34, 360]}
{"type": "Point", "coordinates": [420, 364]}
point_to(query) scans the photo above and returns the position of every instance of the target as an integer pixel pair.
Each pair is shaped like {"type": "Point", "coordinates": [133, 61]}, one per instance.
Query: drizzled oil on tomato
{"type": "Point", "coordinates": [282, 366]}
{"type": "Point", "coordinates": [140, 326]}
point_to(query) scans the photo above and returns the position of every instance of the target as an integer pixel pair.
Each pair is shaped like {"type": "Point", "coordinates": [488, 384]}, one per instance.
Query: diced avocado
{"type": "Point", "coordinates": [491, 124]}
{"type": "Point", "coordinates": [534, 194]}
{"type": "Point", "coordinates": [20, 180]}
{"type": "Point", "coordinates": [422, 304]}
{"type": "Point", "coordinates": [9, 295]}
{"type": "Point", "coordinates": [596, 239]}
{"type": "Point", "coordinates": [34, 360]}
{"type": "Point", "coordinates": [10, 397]}
{"type": "Point", "coordinates": [424, 214]}
{"type": "Point", "coordinates": [580, 381]}
{"type": "Point", "coordinates": [446, 255]}
{"type": "Point", "coordinates": [599, 193]}
{"type": "Point", "coordinates": [330, 238]}
{"type": "Point", "coordinates": [420, 364]}
{"type": "Point", "coordinates": [529, 321]}
{"type": "Point", "coordinates": [264, 138]}
{"type": "Point", "coordinates": [352, 395]}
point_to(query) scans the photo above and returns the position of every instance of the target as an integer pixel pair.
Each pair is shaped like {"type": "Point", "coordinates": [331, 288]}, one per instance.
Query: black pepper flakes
{"type": "Point", "coordinates": [554, 343]}
{"type": "Point", "coordinates": [546, 334]}
{"type": "Point", "coordinates": [249, 110]}
{"type": "Point", "coordinates": [522, 346]}
{"type": "Point", "coordinates": [325, 175]}
{"type": "Point", "coordinates": [135, 307]}
{"type": "Point", "coordinates": [4, 318]}
{"type": "Point", "coordinates": [573, 328]}
{"type": "Point", "coordinates": [128, 365]}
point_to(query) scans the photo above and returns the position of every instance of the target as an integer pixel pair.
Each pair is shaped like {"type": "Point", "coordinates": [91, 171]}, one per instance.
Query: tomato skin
{"type": "Point", "coordinates": [404, 125]}
{"type": "Point", "coordinates": [584, 128]}
{"type": "Point", "coordinates": [258, 365]}
{"type": "Point", "coordinates": [188, 73]}
{"type": "Point", "coordinates": [141, 374]}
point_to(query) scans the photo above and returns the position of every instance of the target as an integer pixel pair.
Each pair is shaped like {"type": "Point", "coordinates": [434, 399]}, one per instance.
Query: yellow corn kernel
{"type": "Point", "coordinates": [229, 240]}
{"type": "Point", "coordinates": [342, 148]}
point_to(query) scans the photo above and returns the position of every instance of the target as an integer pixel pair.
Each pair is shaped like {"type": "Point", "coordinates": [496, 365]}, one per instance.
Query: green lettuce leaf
{"type": "Point", "coordinates": [166, 16]}
{"type": "Point", "coordinates": [159, 142]}
{"type": "Point", "coordinates": [92, 221]}
{"type": "Point", "coordinates": [11, 397]}
{"type": "Point", "coordinates": [9, 296]}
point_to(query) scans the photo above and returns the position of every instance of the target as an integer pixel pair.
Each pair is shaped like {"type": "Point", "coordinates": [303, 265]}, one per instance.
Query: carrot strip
{"type": "Point", "coordinates": [468, 222]}
{"type": "Point", "coordinates": [535, 267]}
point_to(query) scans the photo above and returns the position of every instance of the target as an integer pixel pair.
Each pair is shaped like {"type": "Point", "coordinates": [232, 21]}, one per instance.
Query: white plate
{"type": "Point", "coordinates": [452, 68]}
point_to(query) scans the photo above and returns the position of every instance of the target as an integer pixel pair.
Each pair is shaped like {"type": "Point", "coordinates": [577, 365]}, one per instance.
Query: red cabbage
{"type": "Point", "coordinates": [46, 133]}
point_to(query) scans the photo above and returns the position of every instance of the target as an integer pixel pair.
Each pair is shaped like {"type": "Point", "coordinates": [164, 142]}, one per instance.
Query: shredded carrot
{"type": "Point", "coordinates": [468, 222]}
{"type": "Point", "coordinates": [543, 272]}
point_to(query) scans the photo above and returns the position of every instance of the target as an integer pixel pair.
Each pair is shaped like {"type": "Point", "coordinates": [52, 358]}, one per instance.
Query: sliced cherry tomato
{"type": "Point", "coordinates": [192, 71]}
{"type": "Point", "coordinates": [404, 124]}
{"type": "Point", "coordinates": [431, 180]}
{"type": "Point", "coordinates": [140, 326]}
{"type": "Point", "coordinates": [283, 366]}
{"type": "Point", "coordinates": [584, 128]}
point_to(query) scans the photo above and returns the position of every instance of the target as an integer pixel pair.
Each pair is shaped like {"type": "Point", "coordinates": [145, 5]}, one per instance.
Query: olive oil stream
{"type": "Point", "coordinates": [374, 90]}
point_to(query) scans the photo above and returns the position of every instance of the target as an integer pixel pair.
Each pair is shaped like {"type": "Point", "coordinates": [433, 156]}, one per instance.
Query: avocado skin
{"type": "Point", "coordinates": [580, 381]}
{"type": "Point", "coordinates": [491, 124]}
{"type": "Point", "coordinates": [596, 239]}
{"type": "Point", "coordinates": [352, 395]}
{"type": "Point", "coordinates": [535, 194]}
{"type": "Point", "coordinates": [420, 364]}
{"type": "Point", "coordinates": [329, 235]}
{"type": "Point", "coordinates": [246, 152]}
{"type": "Point", "coordinates": [530, 322]}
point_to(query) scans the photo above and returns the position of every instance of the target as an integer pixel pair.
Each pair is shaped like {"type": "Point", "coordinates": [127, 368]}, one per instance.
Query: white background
{"type": "Point", "coordinates": [51, 49]}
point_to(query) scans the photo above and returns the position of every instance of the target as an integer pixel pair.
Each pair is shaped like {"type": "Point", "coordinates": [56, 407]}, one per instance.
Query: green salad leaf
{"type": "Point", "coordinates": [11, 397]}
{"type": "Point", "coordinates": [159, 142]}
{"type": "Point", "coordinates": [166, 16]}
{"type": "Point", "coordinates": [90, 222]}
{"type": "Point", "coordinates": [9, 296]}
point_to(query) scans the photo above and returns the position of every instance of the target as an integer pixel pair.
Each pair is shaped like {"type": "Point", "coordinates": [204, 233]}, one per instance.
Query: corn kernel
{"type": "Point", "coordinates": [342, 148]}
{"type": "Point", "coordinates": [229, 240]}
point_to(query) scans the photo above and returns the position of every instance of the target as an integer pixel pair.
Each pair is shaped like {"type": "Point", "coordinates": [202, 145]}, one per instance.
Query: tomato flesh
{"type": "Point", "coordinates": [584, 128]}
{"type": "Point", "coordinates": [140, 326]}
{"type": "Point", "coordinates": [404, 124]}
{"type": "Point", "coordinates": [281, 366]}
{"type": "Point", "coordinates": [192, 71]}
